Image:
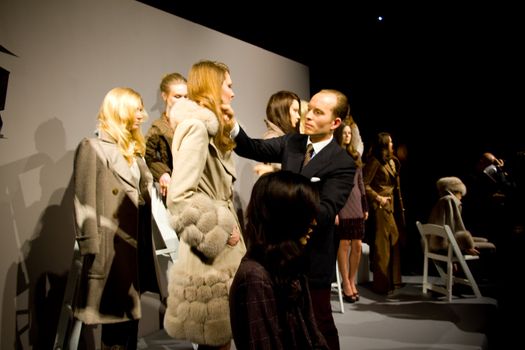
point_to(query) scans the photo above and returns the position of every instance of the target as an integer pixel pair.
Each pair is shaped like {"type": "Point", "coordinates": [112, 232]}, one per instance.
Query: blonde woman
{"type": "Point", "coordinates": [113, 218]}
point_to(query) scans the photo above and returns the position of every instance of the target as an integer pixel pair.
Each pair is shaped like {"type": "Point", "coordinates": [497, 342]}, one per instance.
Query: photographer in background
{"type": "Point", "coordinates": [490, 189]}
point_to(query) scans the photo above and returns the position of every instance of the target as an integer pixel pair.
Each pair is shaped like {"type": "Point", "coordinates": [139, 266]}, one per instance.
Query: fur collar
{"type": "Point", "coordinates": [187, 109]}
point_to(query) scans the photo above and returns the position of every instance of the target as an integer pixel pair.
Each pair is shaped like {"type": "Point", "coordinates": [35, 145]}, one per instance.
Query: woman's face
{"type": "Point", "coordinates": [295, 116]}
{"type": "Point", "coordinates": [227, 94]}
{"type": "Point", "coordinates": [138, 118]}
{"type": "Point", "coordinates": [178, 91]}
{"type": "Point", "coordinates": [347, 135]}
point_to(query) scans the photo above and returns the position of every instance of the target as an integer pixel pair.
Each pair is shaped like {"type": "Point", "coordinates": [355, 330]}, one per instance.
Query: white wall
{"type": "Point", "coordinates": [69, 54]}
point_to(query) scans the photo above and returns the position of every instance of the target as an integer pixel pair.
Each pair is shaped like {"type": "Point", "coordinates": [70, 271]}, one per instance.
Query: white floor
{"type": "Point", "coordinates": [406, 320]}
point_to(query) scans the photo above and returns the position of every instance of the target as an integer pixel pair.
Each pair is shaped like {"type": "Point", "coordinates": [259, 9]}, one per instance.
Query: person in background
{"type": "Point", "coordinates": [381, 178]}
{"type": "Point", "coordinates": [113, 221]}
{"type": "Point", "coordinates": [160, 134]}
{"type": "Point", "coordinates": [351, 227]}
{"type": "Point", "coordinates": [490, 189]}
{"type": "Point", "coordinates": [270, 305]}
{"type": "Point", "coordinates": [282, 117]}
{"type": "Point", "coordinates": [332, 170]}
{"type": "Point", "coordinates": [447, 211]}
{"type": "Point", "coordinates": [200, 201]}
{"type": "Point", "coordinates": [356, 140]}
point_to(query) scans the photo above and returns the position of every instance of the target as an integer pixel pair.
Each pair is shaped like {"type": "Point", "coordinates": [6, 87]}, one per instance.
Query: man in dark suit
{"type": "Point", "coordinates": [333, 171]}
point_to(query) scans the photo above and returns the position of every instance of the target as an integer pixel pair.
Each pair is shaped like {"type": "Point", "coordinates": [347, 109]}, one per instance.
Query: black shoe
{"type": "Point", "coordinates": [349, 298]}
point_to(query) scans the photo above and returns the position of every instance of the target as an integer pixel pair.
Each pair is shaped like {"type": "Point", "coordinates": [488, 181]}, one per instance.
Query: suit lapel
{"type": "Point", "coordinates": [297, 150]}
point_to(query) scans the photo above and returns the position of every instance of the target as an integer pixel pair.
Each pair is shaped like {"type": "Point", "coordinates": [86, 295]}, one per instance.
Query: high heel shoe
{"type": "Point", "coordinates": [356, 296]}
{"type": "Point", "coordinates": [349, 298]}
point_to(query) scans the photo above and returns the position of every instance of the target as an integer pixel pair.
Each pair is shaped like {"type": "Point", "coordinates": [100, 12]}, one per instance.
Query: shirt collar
{"type": "Point", "coordinates": [318, 146]}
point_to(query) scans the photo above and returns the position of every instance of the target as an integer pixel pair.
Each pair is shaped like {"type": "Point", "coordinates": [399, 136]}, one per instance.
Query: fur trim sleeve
{"type": "Point", "coordinates": [203, 225]}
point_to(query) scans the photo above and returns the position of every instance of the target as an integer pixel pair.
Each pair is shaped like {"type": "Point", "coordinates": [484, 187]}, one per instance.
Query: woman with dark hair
{"type": "Point", "coordinates": [282, 117]}
{"type": "Point", "coordinates": [351, 227]}
{"type": "Point", "coordinates": [381, 178]}
{"type": "Point", "coordinates": [270, 305]}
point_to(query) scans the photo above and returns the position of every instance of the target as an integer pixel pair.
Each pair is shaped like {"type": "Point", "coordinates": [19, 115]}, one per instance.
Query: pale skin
{"type": "Point", "coordinates": [139, 118]}
{"type": "Point", "coordinates": [320, 122]}
{"type": "Point", "coordinates": [294, 113]}
{"type": "Point", "coordinates": [176, 93]}
{"type": "Point", "coordinates": [349, 264]}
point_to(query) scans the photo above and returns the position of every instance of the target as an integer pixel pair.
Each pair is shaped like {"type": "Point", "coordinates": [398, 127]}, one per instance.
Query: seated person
{"type": "Point", "coordinates": [447, 211]}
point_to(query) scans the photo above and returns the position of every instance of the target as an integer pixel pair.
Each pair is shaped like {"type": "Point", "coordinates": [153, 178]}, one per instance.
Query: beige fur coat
{"type": "Point", "coordinates": [200, 200]}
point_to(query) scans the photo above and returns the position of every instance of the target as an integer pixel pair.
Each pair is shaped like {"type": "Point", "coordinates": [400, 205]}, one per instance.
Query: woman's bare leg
{"type": "Point", "coordinates": [355, 258]}
{"type": "Point", "coordinates": [342, 261]}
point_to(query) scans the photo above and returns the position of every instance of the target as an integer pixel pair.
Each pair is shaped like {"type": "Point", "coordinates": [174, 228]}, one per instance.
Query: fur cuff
{"type": "Point", "coordinates": [204, 226]}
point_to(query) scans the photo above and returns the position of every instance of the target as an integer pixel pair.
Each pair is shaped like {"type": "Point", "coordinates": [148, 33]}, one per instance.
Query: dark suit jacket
{"type": "Point", "coordinates": [332, 170]}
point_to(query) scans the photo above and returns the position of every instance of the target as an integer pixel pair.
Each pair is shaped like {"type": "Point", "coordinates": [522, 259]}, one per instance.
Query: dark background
{"type": "Point", "coordinates": [443, 78]}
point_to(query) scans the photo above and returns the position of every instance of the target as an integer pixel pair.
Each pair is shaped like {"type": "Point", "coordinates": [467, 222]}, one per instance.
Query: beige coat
{"type": "Point", "coordinates": [113, 234]}
{"type": "Point", "coordinates": [200, 199]}
{"type": "Point", "coordinates": [447, 211]}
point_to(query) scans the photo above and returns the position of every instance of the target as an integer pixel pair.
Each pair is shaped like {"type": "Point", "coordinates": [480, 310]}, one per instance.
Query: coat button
{"type": "Point", "coordinates": [115, 191]}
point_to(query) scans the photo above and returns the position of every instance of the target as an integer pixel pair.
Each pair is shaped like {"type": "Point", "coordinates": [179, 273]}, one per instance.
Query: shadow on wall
{"type": "Point", "coordinates": [37, 201]}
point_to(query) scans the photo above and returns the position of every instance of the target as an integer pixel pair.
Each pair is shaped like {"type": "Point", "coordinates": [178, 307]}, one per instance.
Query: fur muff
{"type": "Point", "coordinates": [198, 306]}
{"type": "Point", "coordinates": [203, 225]}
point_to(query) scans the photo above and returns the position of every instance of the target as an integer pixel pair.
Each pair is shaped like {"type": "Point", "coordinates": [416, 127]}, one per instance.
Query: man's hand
{"type": "Point", "coordinates": [228, 114]}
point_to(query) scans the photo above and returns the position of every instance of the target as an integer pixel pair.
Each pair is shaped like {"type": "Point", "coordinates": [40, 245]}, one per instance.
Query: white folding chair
{"type": "Point", "coordinates": [68, 329]}
{"type": "Point", "coordinates": [337, 286]}
{"type": "Point", "coordinates": [161, 221]}
{"type": "Point", "coordinates": [452, 255]}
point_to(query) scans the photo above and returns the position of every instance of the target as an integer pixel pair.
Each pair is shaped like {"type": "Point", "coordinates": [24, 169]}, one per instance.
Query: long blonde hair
{"type": "Point", "coordinates": [204, 87]}
{"type": "Point", "coordinates": [117, 117]}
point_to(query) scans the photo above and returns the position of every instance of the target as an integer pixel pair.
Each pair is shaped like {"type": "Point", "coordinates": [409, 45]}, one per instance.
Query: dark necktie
{"type": "Point", "coordinates": [308, 154]}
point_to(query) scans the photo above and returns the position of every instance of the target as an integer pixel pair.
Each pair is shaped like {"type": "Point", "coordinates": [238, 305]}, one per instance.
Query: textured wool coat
{"type": "Point", "coordinates": [113, 220]}
{"type": "Point", "coordinates": [200, 199]}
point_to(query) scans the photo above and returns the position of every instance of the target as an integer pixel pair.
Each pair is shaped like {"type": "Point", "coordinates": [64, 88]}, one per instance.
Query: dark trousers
{"type": "Point", "coordinates": [122, 335]}
{"type": "Point", "coordinates": [323, 315]}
